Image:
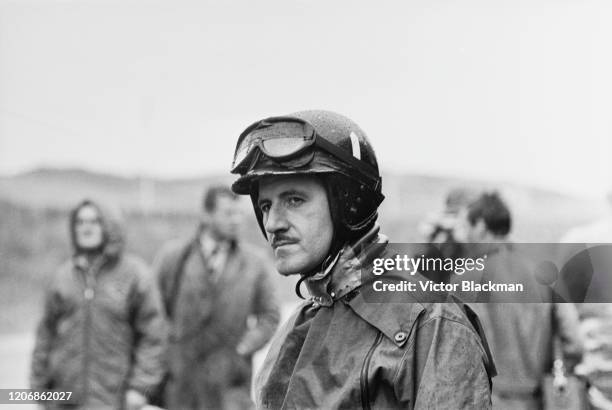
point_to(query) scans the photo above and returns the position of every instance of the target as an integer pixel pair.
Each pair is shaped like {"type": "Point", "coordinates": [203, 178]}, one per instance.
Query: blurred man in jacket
{"type": "Point", "coordinates": [102, 334]}
{"type": "Point", "coordinates": [314, 182]}
{"type": "Point", "coordinates": [520, 334]}
{"type": "Point", "coordinates": [219, 297]}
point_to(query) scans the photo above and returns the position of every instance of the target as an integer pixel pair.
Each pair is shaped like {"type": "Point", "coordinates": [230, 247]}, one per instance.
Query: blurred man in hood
{"type": "Point", "coordinates": [102, 333]}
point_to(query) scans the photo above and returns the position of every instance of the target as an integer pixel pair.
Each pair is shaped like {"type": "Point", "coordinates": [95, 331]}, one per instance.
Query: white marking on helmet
{"type": "Point", "coordinates": [355, 145]}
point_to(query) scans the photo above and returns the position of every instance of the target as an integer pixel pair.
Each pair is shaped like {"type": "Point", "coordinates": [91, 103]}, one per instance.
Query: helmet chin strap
{"type": "Point", "coordinates": [323, 270]}
{"type": "Point", "coordinates": [338, 240]}
{"type": "Point", "coordinates": [319, 272]}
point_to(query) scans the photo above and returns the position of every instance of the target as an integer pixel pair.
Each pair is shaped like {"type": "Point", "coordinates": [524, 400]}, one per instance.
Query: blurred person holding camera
{"type": "Point", "coordinates": [222, 307]}
{"type": "Point", "coordinates": [521, 335]}
{"type": "Point", "coordinates": [438, 227]}
{"type": "Point", "coordinates": [102, 333]}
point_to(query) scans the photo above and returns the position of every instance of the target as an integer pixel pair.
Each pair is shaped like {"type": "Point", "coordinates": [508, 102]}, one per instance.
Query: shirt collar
{"type": "Point", "coordinates": [212, 246]}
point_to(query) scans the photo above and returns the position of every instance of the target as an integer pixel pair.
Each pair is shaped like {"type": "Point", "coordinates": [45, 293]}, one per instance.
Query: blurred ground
{"type": "Point", "coordinates": [15, 353]}
{"type": "Point", "coordinates": [15, 350]}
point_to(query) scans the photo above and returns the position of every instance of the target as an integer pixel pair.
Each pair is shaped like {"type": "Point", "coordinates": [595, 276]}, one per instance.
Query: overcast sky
{"type": "Point", "coordinates": [508, 90]}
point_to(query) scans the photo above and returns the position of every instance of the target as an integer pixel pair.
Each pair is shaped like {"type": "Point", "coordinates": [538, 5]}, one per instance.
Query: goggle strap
{"type": "Point", "coordinates": [360, 165]}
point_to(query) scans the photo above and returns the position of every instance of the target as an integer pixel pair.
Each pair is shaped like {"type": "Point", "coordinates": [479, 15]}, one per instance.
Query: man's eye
{"type": "Point", "coordinates": [295, 201]}
{"type": "Point", "coordinates": [264, 208]}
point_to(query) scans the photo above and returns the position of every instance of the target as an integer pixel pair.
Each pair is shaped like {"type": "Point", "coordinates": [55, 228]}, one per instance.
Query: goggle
{"type": "Point", "coordinates": [290, 142]}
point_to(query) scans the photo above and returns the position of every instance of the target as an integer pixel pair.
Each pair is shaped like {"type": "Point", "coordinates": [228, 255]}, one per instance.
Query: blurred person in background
{"type": "Point", "coordinates": [596, 318]}
{"type": "Point", "coordinates": [102, 333]}
{"type": "Point", "coordinates": [438, 228]}
{"type": "Point", "coordinates": [221, 303]}
{"type": "Point", "coordinates": [520, 334]}
{"type": "Point", "coordinates": [315, 186]}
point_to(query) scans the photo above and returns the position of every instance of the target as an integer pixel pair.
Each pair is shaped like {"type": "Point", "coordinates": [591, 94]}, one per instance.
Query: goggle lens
{"type": "Point", "coordinates": [283, 146]}
{"type": "Point", "coordinates": [276, 140]}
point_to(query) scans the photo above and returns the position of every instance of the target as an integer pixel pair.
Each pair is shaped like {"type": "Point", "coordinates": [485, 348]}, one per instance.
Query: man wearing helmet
{"type": "Point", "coordinates": [315, 187]}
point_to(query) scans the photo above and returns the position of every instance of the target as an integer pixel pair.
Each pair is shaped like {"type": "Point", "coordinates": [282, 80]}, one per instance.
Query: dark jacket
{"type": "Point", "coordinates": [345, 351]}
{"type": "Point", "coordinates": [213, 313]}
{"type": "Point", "coordinates": [102, 331]}
{"type": "Point", "coordinates": [521, 334]}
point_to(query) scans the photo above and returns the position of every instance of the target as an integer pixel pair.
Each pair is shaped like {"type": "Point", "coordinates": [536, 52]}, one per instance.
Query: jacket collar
{"type": "Point", "coordinates": [344, 273]}
{"type": "Point", "coordinates": [347, 280]}
{"type": "Point", "coordinates": [394, 320]}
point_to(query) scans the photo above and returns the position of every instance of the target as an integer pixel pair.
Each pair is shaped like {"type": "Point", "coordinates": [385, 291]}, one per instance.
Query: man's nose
{"type": "Point", "coordinates": [276, 220]}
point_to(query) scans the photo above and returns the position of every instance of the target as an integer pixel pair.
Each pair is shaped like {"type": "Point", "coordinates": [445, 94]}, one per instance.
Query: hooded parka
{"type": "Point", "coordinates": [103, 329]}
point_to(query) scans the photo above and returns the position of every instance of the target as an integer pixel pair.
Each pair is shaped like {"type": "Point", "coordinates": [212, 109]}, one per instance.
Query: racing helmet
{"type": "Point", "coordinates": [315, 142]}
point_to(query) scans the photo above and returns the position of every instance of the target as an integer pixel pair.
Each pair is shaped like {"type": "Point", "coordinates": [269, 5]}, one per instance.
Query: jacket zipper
{"type": "Point", "coordinates": [365, 394]}
{"type": "Point", "coordinates": [88, 294]}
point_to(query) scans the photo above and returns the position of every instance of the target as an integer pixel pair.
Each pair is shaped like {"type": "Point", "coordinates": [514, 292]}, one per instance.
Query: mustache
{"type": "Point", "coordinates": [281, 239]}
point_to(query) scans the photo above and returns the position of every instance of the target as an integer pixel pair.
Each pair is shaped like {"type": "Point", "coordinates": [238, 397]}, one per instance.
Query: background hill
{"type": "Point", "coordinates": [34, 206]}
